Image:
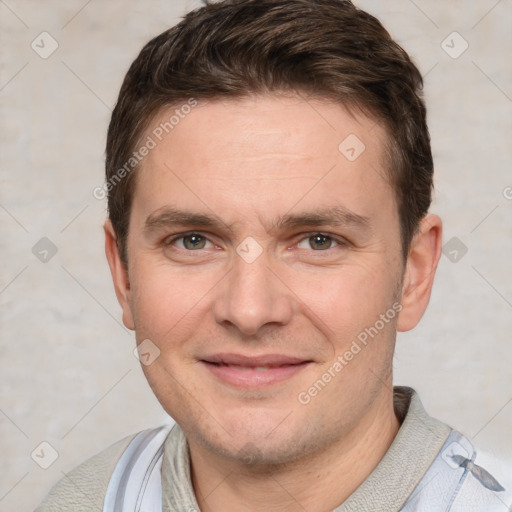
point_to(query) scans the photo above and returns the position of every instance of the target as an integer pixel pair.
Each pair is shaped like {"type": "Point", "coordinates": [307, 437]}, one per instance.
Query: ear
{"type": "Point", "coordinates": [420, 269]}
{"type": "Point", "coordinates": [119, 274]}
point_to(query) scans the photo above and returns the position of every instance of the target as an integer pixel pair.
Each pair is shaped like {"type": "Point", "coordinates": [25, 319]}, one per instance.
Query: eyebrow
{"type": "Point", "coordinates": [334, 216]}
{"type": "Point", "coordinates": [168, 216]}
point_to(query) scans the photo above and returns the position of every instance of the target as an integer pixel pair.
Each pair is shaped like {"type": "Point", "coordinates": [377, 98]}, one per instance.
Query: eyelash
{"type": "Point", "coordinates": [341, 242]}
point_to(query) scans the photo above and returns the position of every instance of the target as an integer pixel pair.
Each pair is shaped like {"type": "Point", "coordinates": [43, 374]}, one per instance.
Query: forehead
{"type": "Point", "coordinates": [235, 127]}
{"type": "Point", "coordinates": [263, 151]}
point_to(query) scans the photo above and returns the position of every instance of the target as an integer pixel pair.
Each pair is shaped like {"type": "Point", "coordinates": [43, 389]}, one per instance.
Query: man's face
{"type": "Point", "coordinates": [302, 254]}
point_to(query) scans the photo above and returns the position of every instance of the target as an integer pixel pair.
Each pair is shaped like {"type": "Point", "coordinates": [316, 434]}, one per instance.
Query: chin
{"type": "Point", "coordinates": [259, 441]}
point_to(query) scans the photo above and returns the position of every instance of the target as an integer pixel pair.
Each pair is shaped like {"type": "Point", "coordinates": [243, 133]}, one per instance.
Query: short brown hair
{"type": "Point", "coordinates": [325, 49]}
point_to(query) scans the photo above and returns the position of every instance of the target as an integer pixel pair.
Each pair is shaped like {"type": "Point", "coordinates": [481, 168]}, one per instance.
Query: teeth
{"type": "Point", "coordinates": [257, 368]}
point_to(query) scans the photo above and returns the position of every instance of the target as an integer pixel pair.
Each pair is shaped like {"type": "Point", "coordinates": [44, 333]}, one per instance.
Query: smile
{"type": "Point", "coordinates": [253, 372]}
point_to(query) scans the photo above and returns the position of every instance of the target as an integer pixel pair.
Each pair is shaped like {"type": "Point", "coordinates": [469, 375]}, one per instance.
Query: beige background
{"type": "Point", "coordinates": [68, 375]}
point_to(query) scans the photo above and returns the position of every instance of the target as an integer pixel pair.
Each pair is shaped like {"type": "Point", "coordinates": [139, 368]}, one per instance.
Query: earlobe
{"type": "Point", "coordinates": [119, 274]}
{"type": "Point", "coordinates": [422, 261]}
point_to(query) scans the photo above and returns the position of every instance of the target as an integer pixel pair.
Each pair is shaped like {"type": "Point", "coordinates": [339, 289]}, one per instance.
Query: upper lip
{"type": "Point", "coordinates": [254, 361]}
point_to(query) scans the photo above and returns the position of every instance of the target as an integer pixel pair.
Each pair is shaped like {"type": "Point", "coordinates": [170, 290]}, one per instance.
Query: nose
{"type": "Point", "coordinates": [251, 297]}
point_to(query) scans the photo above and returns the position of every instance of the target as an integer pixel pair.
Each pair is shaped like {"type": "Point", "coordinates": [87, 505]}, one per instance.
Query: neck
{"type": "Point", "coordinates": [321, 482]}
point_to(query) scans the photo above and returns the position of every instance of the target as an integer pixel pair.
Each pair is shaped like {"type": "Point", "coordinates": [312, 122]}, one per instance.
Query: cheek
{"type": "Point", "coordinates": [166, 300]}
{"type": "Point", "coordinates": [350, 297]}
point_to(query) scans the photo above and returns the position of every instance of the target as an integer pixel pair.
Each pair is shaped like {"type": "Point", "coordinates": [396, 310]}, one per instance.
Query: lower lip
{"type": "Point", "coordinates": [251, 378]}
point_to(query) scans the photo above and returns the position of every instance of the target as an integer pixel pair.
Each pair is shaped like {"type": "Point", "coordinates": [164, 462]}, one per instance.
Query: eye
{"type": "Point", "coordinates": [190, 242]}
{"type": "Point", "coordinates": [318, 242]}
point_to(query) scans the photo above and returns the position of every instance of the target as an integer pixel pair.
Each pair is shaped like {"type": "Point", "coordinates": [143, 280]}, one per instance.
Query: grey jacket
{"type": "Point", "coordinates": [428, 468]}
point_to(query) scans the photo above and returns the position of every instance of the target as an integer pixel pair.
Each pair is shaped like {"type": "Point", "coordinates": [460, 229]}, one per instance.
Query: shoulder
{"type": "Point", "coordinates": [463, 478]}
{"type": "Point", "coordinates": [488, 482]}
{"type": "Point", "coordinates": [84, 488]}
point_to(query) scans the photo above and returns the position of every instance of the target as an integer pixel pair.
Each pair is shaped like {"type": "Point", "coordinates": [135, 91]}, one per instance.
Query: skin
{"type": "Point", "coordinates": [249, 162]}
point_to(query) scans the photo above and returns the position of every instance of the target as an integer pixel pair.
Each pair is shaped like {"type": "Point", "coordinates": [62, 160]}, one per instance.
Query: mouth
{"type": "Point", "coordinates": [254, 372]}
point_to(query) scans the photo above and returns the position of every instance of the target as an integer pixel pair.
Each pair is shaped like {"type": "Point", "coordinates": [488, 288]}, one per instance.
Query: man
{"type": "Point", "coordinates": [269, 176]}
